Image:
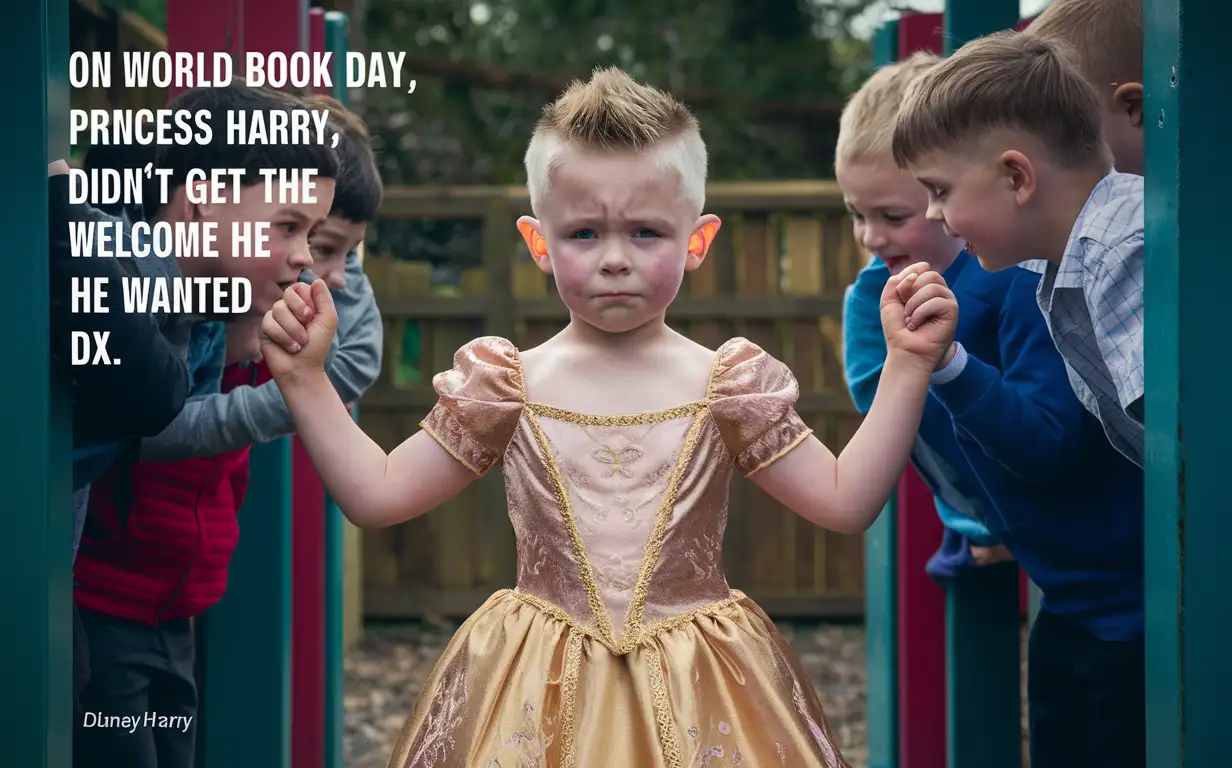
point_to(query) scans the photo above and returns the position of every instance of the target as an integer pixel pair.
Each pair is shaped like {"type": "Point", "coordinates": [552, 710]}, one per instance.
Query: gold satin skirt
{"type": "Point", "coordinates": [521, 685]}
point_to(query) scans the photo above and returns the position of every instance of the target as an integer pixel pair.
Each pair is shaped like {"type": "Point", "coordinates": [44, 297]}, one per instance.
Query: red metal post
{"type": "Point", "coordinates": [308, 576]}
{"type": "Point", "coordinates": [307, 612]}
{"type": "Point", "coordinates": [238, 27]}
{"type": "Point", "coordinates": [921, 601]}
{"type": "Point", "coordinates": [921, 630]}
{"type": "Point", "coordinates": [205, 28]}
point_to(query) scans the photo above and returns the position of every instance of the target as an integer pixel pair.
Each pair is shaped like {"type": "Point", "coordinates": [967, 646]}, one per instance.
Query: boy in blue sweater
{"type": "Point", "coordinates": [1005, 432]}
{"type": "Point", "coordinates": [885, 210]}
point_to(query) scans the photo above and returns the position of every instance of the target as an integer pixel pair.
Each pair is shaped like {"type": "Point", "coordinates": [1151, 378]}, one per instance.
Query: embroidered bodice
{"type": "Point", "coordinates": [619, 519]}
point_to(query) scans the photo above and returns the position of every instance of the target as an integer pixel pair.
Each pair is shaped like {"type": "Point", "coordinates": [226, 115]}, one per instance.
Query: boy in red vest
{"type": "Point", "coordinates": [162, 530]}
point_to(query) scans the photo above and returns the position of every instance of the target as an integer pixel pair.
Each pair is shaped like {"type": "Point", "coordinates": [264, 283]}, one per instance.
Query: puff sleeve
{"type": "Point", "coordinates": [479, 403]}
{"type": "Point", "coordinates": [752, 401]}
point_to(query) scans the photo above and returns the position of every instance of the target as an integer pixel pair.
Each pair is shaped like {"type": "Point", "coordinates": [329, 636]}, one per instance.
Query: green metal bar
{"type": "Point", "coordinates": [880, 579]}
{"type": "Point", "coordinates": [983, 694]}
{"type": "Point", "coordinates": [967, 20]}
{"type": "Point", "coordinates": [881, 639]}
{"type": "Point", "coordinates": [35, 572]}
{"type": "Point", "coordinates": [336, 34]}
{"type": "Point", "coordinates": [1166, 471]}
{"type": "Point", "coordinates": [1187, 529]}
{"type": "Point", "coordinates": [246, 638]}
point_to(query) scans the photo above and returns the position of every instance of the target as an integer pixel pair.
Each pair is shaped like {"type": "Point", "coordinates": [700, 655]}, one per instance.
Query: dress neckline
{"type": "Point", "coordinates": [642, 417]}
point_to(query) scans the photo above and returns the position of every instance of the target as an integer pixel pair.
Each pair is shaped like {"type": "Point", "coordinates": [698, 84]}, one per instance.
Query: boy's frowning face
{"type": "Point", "coordinates": [888, 207]}
{"type": "Point", "coordinates": [287, 243]}
{"type": "Point", "coordinates": [617, 228]}
{"type": "Point", "coordinates": [331, 243]}
{"type": "Point", "coordinates": [972, 195]}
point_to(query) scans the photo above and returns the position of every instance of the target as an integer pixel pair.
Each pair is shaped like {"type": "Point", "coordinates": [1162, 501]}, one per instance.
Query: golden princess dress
{"type": "Point", "coordinates": [622, 644]}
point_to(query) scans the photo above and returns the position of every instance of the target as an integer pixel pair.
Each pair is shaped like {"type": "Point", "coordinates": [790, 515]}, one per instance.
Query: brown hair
{"type": "Point", "coordinates": [1105, 36]}
{"type": "Point", "coordinates": [219, 153]}
{"type": "Point", "coordinates": [1008, 80]}
{"type": "Point", "coordinates": [358, 189]}
{"type": "Point", "coordinates": [866, 127]}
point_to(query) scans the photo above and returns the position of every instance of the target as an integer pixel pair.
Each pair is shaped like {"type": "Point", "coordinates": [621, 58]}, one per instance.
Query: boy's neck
{"type": "Point", "coordinates": [1063, 205]}
{"type": "Point", "coordinates": [638, 338]}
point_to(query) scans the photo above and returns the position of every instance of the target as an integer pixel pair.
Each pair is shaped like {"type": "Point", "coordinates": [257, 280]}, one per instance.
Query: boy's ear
{"type": "Point", "coordinates": [1020, 173]}
{"type": "Point", "coordinates": [200, 191]}
{"type": "Point", "coordinates": [536, 243]}
{"type": "Point", "coordinates": [1127, 99]}
{"type": "Point", "coordinates": [704, 232]}
{"type": "Point", "coordinates": [178, 207]}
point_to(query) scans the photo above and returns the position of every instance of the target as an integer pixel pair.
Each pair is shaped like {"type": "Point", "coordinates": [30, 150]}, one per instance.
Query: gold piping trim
{"type": "Point", "coordinates": [432, 433]}
{"type": "Point", "coordinates": [663, 712]}
{"type": "Point", "coordinates": [621, 420]}
{"type": "Point", "coordinates": [654, 542]}
{"type": "Point", "coordinates": [782, 452]}
{"type": "Point", "coordinates": [568, 696]}
{"type": "Point", "coordinates": [651, 631]}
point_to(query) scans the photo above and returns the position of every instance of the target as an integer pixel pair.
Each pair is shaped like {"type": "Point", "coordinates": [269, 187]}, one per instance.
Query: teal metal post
{"type": "Point", "coordinates": [35, 572]}
{"type": "Point", "coordinates": [966, 20]}
{"type": "Point", "coordinates": [881, 639]}
{"type": "Point", "coordinates": [983, 673]}
{"type": "Point", "coordinates": [336, 32]}
{"type": "Point", "coordinates": [983, 610]}
{"type": "Point", "coordinates": [1188, 530]}
{"type": "Point", "coordinates": [246, 690]}
{"type": "Point", "coordinates": [880, 575]}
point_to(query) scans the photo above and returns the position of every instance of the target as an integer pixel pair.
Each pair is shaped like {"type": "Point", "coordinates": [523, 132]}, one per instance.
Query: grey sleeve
{"type": "Point", "coordinates": [249, 415]}
{"type": "Point", "coordinates": [356, 360]}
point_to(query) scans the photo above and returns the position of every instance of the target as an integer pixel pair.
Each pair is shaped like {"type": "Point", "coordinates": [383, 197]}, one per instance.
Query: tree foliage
{"type": "Point", "coordinates": [456, 130]}
{"type": "Point", "coordinates": [766, 80]}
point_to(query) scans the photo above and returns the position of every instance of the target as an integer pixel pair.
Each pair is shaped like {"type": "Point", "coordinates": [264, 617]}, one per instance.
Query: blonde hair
{"type": "Point", "coordinates": [613, 112]}
{"type": "Point", "coordinates": [866, 127]}
{"type": "Point", "coordinates": [1008, 80]}
{"type": "Point", "coordinates": [1105, 35]}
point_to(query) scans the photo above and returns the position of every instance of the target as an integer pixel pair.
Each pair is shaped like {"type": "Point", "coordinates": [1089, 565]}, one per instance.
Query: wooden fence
{"type": "Point", "coordinates": [776, 276]}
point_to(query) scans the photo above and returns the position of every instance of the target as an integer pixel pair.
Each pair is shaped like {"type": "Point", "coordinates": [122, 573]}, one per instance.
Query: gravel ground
{"type": "Point", "coordinates": [386, 670]}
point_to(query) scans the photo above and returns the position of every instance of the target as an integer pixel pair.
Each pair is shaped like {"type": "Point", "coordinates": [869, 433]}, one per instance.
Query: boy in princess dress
{"type": "Point", "coordinates": [622, 644]}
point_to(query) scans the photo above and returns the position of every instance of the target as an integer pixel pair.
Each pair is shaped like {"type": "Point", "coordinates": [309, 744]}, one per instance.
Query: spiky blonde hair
{"type": "Point", "coordinates": [613, 112]}
{"type": "Point", "coordinates": [866, 128]}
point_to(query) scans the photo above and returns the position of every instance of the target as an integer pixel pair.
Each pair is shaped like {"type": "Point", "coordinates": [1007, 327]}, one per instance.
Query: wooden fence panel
{"type": "Point", "coordinates": [774, 275]}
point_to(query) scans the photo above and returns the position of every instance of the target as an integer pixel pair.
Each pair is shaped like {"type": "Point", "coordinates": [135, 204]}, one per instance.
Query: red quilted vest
{"type": "Point", "coordinates": [166, 556]}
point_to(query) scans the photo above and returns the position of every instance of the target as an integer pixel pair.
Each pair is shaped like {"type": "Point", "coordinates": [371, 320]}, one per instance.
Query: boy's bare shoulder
{"type": "Point", "coordinates": [540, 353]}
{"type": "Point", "coordinates": [693, 355]}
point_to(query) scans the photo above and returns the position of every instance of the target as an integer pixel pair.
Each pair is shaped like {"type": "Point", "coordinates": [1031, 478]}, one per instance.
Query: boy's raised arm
{"type": "Point", "coordinates": [1027, 418]}
{"type": "Point", "coordinates": [246, 416]}
{"type": "Point", "coordinates": [846, 493]}
{"type": "Point", "coordinates": [372, 488]}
